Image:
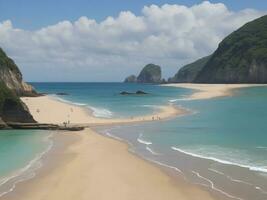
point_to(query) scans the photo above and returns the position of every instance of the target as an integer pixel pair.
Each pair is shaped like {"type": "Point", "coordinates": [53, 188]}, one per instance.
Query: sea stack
{"type": "Point", "coordinates": [151, 73]}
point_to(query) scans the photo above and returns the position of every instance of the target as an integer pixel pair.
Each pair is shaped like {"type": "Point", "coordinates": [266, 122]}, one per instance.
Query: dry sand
{"type": "Point", "coordinates": [46, 109]}
{"type": "Point", "coordinates": [99, 168]}
{"type": "Point", "coordinates": [207, 91]}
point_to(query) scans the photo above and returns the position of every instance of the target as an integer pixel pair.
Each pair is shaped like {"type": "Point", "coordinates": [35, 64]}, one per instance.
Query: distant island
{"type": "Point", "coordinates": [151, 73]}
{"type": "Point", "coordinates": [240, 58]}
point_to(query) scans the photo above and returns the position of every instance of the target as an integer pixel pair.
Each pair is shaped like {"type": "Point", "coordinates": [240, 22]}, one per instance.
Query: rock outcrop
{"type": "Point", "coordinates": [131, 79]}
{"type": "Point", "coordinates": [149, 74]}
{"type": "Point", "coordinates": [12, 77]}
{"type": "Point", "coordinates": [138, 92]}
{"type": "Point", "coordinates": [188, 73]}
{"type": "Point", "coordinates": [240, 58]}
{"type": "Point", "coordinates": [12, 109]}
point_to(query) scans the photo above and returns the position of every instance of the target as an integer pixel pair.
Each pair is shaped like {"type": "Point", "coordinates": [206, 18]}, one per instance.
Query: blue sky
{"type": "Point", "coordinates": [104, 40]}
{"type": "Point", "coordinates": [34, 14]}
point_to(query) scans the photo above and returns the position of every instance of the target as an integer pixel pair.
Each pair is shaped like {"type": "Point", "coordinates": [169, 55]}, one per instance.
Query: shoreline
{"type": "Point", "coordinates": [208, 91]}
{"type": "Point", "coordinates": [163, 183]}
{"type": "Point", "coordinates": [27, 172]}
{"type": "Point", "coordinates": [66, 173]}
{"type": "Point", "coordinates": [42, 108]}
{"type": "Point", "coordinates": [176, 186]}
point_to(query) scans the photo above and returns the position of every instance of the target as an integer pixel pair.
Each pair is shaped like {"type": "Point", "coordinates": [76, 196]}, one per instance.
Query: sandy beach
{"type": "Point", "coordinates": [207, 91]}
{"type": "Point", "coordinates": [46, 109]}
{"type": "Point", "coordinates": [98, 167]}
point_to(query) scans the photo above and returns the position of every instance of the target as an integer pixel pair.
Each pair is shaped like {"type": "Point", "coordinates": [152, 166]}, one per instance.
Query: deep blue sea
{"type": "Point", "coordinates": [221, 144]}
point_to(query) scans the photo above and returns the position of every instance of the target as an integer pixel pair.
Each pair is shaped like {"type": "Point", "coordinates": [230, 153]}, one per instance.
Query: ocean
{"type": "Point", "coordinates": [221, 144]}
{"type": "Point", "coordinates": [20, 153]}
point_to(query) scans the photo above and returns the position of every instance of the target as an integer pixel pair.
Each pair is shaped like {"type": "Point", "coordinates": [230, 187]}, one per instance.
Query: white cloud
{"type": "Point", "coordinates": [169, 35]}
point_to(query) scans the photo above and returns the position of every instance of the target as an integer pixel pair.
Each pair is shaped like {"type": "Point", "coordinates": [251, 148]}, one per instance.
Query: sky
{"type": "Point", "coordinates": [104, 40]}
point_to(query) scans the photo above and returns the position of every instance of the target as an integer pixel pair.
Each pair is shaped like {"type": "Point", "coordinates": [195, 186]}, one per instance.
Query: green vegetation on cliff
{"type": "Point", "coordinates": [150, 74]}
{"type": "Point", "coordinates": [6, 94]}
{"type": "Point", "coordinates": [12, 77]}
{"type": "Point", "coordinates": [240, 58]}
{"type": "Point", "coordinates": [7, 62]}
{"type": "Point", "coordinates": [12, 109]}
{"type": "Point", "coordinates": [188, 73]}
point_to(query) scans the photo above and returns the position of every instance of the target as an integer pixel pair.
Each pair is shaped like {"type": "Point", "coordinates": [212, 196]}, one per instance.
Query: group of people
{"type": "Point", "coordinates": [155, 118]}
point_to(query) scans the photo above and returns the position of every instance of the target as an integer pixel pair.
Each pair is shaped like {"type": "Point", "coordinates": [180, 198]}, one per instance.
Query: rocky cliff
{"type": "Point", "coordinates": [149, 74]}
{"type": "Point", "coordinates": [130, 79]}
{"type": "Point", "coordinates": [12, 77]}
{"type": "Point", "coordinates": [240, 58]}
{"type": "Point", "coordinates": [12, 109]}
{"type": "Point", "coordinates": [188, 73]}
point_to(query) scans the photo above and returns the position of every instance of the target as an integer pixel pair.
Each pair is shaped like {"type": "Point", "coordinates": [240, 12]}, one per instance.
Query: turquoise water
{"type": "Point", "coordinates": [19, 154]}
{"type": "Point", "coordinates": [221, 145]}
{"type": "Point", "coordinates": [235, 125]}
{"type": "Point", "coordinates": [105, 99]}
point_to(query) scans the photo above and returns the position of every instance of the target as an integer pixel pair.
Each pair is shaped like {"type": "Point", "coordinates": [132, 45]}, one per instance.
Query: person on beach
{"type": "Point", "coordinates": [65, 124]}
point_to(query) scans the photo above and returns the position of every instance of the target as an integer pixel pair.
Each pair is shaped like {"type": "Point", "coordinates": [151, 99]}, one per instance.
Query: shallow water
{"type": "Point", "coordinates": [20, 152]}
{"type": "Point", "coordinates": [221, 145]}
{"type": "Point", "coordinates": [105, 99]}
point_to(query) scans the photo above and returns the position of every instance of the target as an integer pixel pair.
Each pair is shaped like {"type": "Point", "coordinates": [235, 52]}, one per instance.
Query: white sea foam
{"type": "Point", "coordinates": [214, 188]}
{"type": "Point", "coordinates": [261, 190]}
{"type": "Point", "coordinates": [152, 151]}
{"type": "Point", "coordinates": [216, 171]}
{"type": "Point", "coordinates": [151, 106]}
{"type": "Point", "coordinates": [261, 147]}
{"type": "Point", "coordinates": [238, 181]}
{"type": "Point", "coordinates": [101, 112]}
{"type": "Point", "coordinates": [113, 136]}
{"type": "Point", "coordinates": [252, 168]}
{"type": "Point", "coordinates": [230, 178]}
{"type": "Point", "coordinates": [97, 112]}
{"type": "Point", "coordinates": [67, 101]}
{"type": "Point", "coordinates": [34, 162]}
{"type": "Point", "coordinates": [165, 165]}
{"type": "Point", "coordinates": [142, 141]}
{"type": "Point", "coordinates": [179, 99]}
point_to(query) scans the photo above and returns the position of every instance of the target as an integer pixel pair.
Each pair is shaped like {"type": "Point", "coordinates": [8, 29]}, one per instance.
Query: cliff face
{"type": "Point", "coordinates": [130, 79]}
{"type": "Point", "coordinates": [12, 77]}
{"type": "Point", "coordinates": [12, 109]}
{"type": "Point", "coordinates": [150, 74]}
{"type": "Point", "coordinates": [188, 73]}
{"type": "Point", "coordinates": [240, 58]}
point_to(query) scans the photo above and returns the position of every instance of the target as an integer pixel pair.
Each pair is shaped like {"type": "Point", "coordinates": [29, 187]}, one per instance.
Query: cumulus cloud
{"type": "Point", "coordinates": [86, 50]}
